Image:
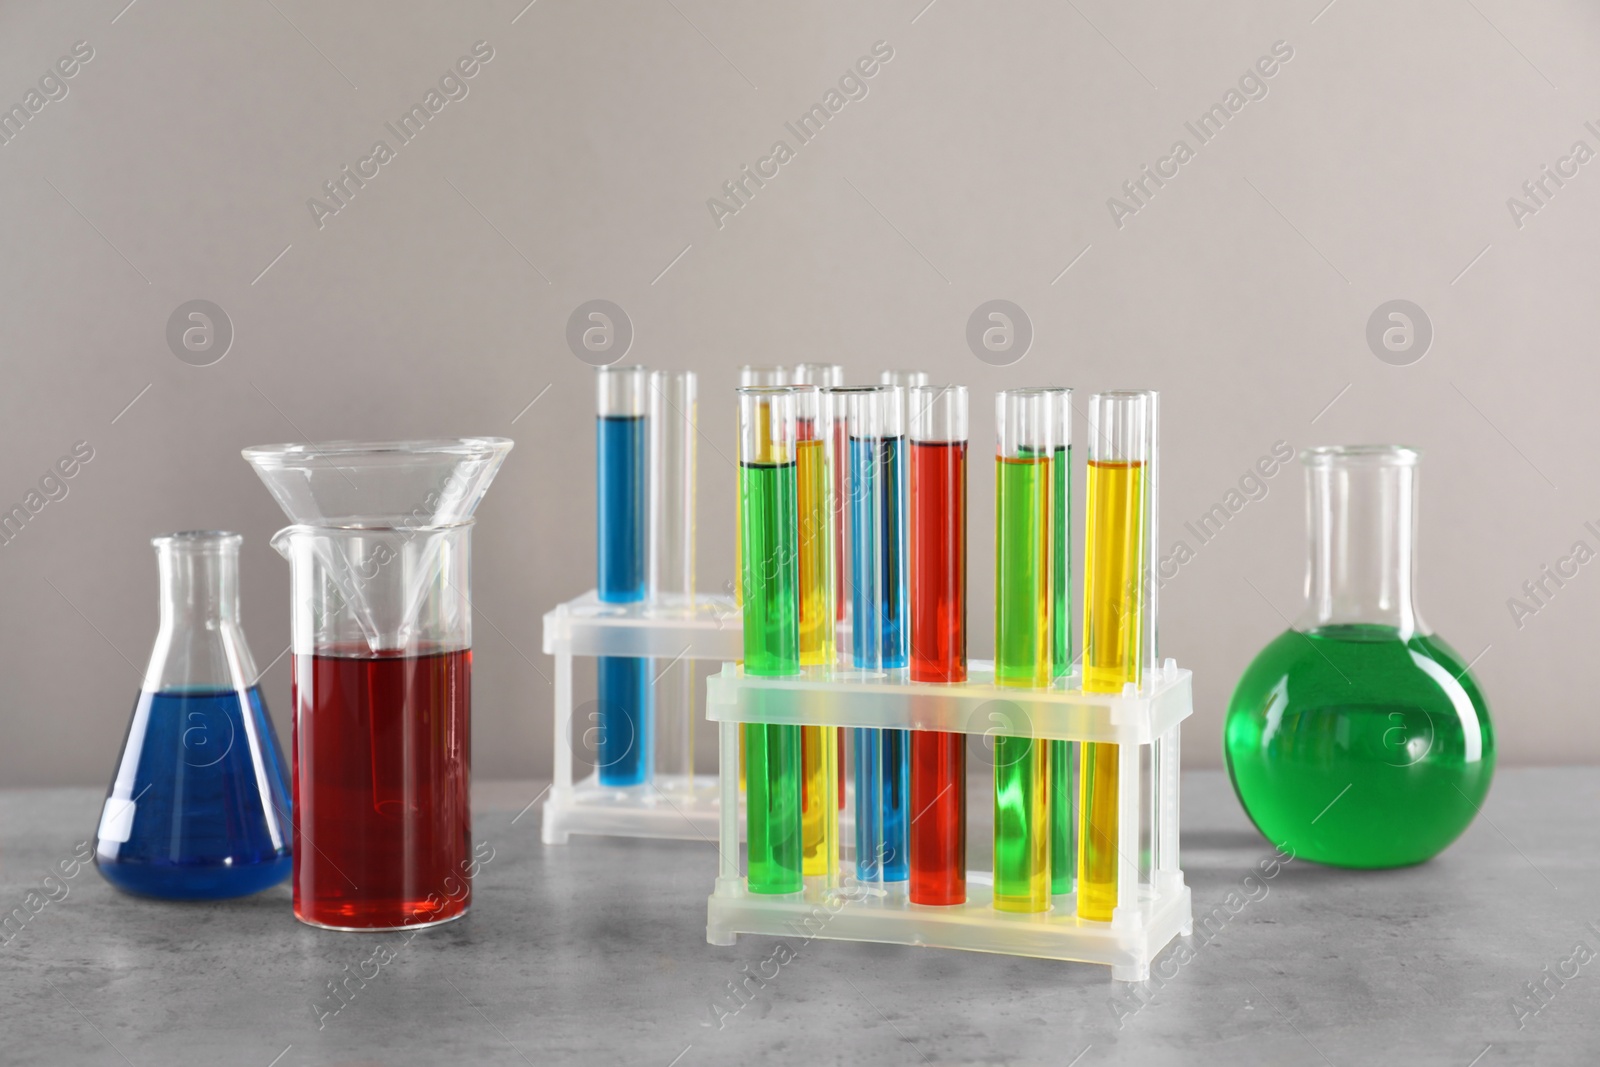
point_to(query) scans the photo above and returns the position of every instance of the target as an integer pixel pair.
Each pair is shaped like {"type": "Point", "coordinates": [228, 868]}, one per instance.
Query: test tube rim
{"type": "Point", "coordinates": [829, 370]}
{"type": "Point", "coordinates": [877, 421]}
{"type": "Point", "coordinates": [960, 392]}
{"type": "Point", "coordinates": [785, 445]}
{"type": "Point", "coordinates": [777, 371]}
{"type": "Point", "coordinates": [918, 378]}
{"type": "Point", "coordinates": [1100, 444]}
{"type": "Point", "coordinates": [1045, 430]}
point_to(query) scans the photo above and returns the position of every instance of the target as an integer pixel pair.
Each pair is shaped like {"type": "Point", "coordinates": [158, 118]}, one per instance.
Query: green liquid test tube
{"type": "Point", "coordinates": [1063, 754]}
{"type": "Point", "coordinates": [1025, 424]}
{"type": "Point", "coordinates": [748, 376]}
{"type": "Point", "coordinates": [769, 530]}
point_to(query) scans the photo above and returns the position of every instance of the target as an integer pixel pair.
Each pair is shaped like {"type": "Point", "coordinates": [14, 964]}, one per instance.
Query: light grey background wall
{"type": "Point", "coordinates": [978, 165]}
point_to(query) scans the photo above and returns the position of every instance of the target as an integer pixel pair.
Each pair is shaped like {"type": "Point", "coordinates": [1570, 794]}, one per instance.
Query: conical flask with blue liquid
{"type": "Point", "coordinates": [199, 806]}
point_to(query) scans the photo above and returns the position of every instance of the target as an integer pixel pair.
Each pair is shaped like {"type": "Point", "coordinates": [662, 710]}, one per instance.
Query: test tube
{"type": "Point", "coordinates": [1063, 754]}
{"type": "Point", "coordinates": [828, 376]}
{"type": "Point", "coordinates": [622, 496]}
{"type": "Point", "coordinates": [819, 745]}
{"type": "Point", "coordinates": [674, 397]}
{"type": "Point", "coordinates": [938, 836]}
{"type": "Point", "coordinates": [897, 539]}
{"type": "Point", "coordinates": [750, 377]}
{"type": "Point", "coordinates": [1025, 434]}
{"type": "Point", "coordinates": [771, 581]}
{"type": "Point", "coordinates": [835, 402]}
{"type": "Point", "coordinates": [1121, 455]}
{"type": "Point", "coordinates": [878, 589]}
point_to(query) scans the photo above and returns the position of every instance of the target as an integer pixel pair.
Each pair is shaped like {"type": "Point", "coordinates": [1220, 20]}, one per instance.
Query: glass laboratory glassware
{"type": "Point", "coordinates": [199, 807]}
{"type": "Point", "coordinates": [1118, 616]}
{"type": "Point", "coordinates": [770, 528]}
{"type": "Point", "coordinates": [880, 637]}
{"type": "Point", "coordinates": [1025, 452]}
{"type": "Point", "coordinates": [751, 376]}
{"type": "Point", "coordinates": [1358, 737]}
{"type": "Point", "coordinates": [626, 740]}
{"type": "Point", "coordinates": [674, 411]}
{"type": "Point", "coordinates": [938, 835]}
{"type": "Point", "coordinates": [819, 751]}
{"type": "Point", "coordinates": [1063, 754]}
{"type": "Point", "coordinates": [381, 637]}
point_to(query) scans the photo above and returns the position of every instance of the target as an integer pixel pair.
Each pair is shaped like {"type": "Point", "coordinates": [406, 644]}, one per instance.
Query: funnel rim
{"type": "Point", "coordinates": [371, 525]}
{"type": "Point", "coordinates": [279, 456]}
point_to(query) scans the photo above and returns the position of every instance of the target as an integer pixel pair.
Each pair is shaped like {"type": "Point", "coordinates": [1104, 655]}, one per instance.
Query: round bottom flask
{"type": "Point", "coordinates": [1359, 738]}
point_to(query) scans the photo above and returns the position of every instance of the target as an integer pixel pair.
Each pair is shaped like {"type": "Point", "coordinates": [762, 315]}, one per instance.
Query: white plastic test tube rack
{"type": "Point", "coordinates": [1153, 904]}
{"type": "Point", "coordinates": [666, 629]}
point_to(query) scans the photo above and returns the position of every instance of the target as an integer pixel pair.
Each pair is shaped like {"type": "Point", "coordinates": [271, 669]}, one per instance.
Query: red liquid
{"type": "Point", "coordinates": [840, 735]}
{"type": "Point", "coordinates": [938, 654]}
{"type": "Point", "coordinates": [938, 561]}
{"type": "Point", "coordinates": [382, 757]}
{"type": "Point", "coordinates": [841, 527]}
{"type": "Point", "coordinates": [939, 817]}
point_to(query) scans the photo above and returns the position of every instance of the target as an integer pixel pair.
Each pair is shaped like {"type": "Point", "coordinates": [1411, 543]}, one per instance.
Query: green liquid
{"type": "Point", "coordinates": [772, 806]}
{"type": "Point", "coordinates": [1021, 843]}
{"type": "Point", "coordinates": [1022, 660]}
{"type": "Point", "coordinates": [1063, 848]}
{"type": "Point", "coordinates": [1356, 748]}
{"type": "Point", "coordinates": [769, 529]}
{"type": "Point", "coordinates": [1022, 573]}
{"type": "Point", "coordinates": [1061, 562]}
{"type": "Point", "coordinates": [1063, 827]}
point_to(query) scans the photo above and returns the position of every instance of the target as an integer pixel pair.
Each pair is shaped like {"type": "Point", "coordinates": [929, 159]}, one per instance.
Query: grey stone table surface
{"type": "Point", "coordinates": [595, 952]}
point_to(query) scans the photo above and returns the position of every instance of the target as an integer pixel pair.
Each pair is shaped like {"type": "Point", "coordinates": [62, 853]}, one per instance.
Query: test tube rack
{"type": "Point", "coordinates": [666, 629]}
{"type": "Point", "coordinates": [1153, 903]}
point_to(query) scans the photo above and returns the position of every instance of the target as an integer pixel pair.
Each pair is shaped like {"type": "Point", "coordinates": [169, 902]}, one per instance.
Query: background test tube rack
{"type": "Point", "coordinates": [1153, 903]}
{"type": "Point", "coordinates": [672, 805]}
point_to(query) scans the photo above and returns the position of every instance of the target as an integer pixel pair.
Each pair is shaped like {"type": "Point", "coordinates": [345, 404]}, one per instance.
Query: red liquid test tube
{"type": "Point", "coordinates": [938, 837]}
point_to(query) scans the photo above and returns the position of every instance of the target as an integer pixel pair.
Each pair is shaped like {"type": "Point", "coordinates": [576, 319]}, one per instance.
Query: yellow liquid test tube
{"type": "Point", "coordinates": [819, 763]}
{"type": "Point", "coordinates": [1120, 439]}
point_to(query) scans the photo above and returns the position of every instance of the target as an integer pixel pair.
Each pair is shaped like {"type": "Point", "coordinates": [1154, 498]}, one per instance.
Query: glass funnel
{"type": "Point", "coordinates": [381, 636]}
{"type": "Point", "coordinates": [1360, 738]}
{"type": "Point", "coordinates": [199, 807]}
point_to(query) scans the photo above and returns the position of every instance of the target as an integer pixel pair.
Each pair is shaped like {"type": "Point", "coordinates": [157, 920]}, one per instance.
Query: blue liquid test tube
{"type": "Point", "coordinates": [881, 630]}
{"type": "Point", "coordinates": [626, 736]}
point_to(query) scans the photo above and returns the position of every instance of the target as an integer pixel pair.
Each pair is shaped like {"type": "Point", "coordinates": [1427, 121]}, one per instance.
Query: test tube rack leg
{"type": "Point", "coordinates": [1153, 903]}
{"type": "Point", "coordinates": [672, 805]}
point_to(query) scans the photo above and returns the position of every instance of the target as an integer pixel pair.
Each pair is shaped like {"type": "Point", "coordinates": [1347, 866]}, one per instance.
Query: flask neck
{"type": "Point", "coordinates": [199, 584]}
{"type": "Point", "coordinates": [200, 644]}
{"type": "Point", "coordinates": [1362, 533]}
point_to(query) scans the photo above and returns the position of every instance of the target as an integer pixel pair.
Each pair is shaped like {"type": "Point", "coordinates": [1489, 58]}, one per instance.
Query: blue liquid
{"type": "Point", "coordinates": [626, 743]}
{"type": "Point", "coordinates": [880, 595]}
{"type": "Point", "coordinates": [209, 816]}
{"type": "Point", "coordinates": [869, 817]}
{"type": "Point", "coordinates": [895, 796]}
{"type": "Point", "coordinates": [896, 572]}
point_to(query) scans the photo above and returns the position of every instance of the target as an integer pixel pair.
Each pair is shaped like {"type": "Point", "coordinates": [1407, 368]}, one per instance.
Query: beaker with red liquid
{"type": "Point", "coordinates": [380, 564]}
